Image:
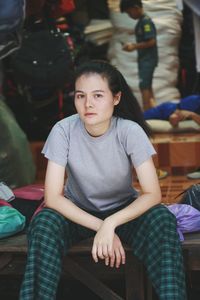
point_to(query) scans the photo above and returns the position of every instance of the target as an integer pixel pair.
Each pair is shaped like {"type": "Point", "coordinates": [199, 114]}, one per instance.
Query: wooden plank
{"type": "Point", "coordinates": [14, 244]}
{"type": "Point", "coordinates": [5, 259]}
{"type": "Point", "coordinates": [191, 240]}
{"type": "Point", "coordinates": [18, 243]}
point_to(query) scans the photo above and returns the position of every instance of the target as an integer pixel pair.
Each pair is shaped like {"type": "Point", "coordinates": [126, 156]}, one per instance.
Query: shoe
{"type": "Point", "coordinates": [161, 173]}
{"type": "Point", "coordinates": [194, 175]}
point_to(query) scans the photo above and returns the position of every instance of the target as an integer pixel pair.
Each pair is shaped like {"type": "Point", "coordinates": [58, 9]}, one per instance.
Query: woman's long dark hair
{"type": "Point", "coordinates": [128, 107]}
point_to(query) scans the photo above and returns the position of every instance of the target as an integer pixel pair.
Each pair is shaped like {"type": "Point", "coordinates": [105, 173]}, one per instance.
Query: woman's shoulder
{"type": "Point", "coordinates": [124, 125]}
{"type": "Point", "coordinates": [68, 122]}
{"type": "Point", "coordinates": [127, 129]}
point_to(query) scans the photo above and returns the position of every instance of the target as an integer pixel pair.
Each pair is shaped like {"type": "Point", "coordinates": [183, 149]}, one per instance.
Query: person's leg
{"type": "Point", "coordinates": [147, 98]}
{"type": "Point", "coordinates": [145, 83]}
{"type": "Point", "coordinates": [154, 240]}
{"type": "Point", "coordinates": [50, 235]}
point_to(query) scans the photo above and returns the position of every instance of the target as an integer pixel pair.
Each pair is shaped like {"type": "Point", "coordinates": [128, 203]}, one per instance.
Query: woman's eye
{"type": "Point", "coordinates": [97, 96]}
{"type": "Point", "coordinates": [79, 96]}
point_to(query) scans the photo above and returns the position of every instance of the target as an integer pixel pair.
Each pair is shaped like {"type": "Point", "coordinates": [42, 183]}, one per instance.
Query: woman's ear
{"type": "Point", "coordinates": [117, 98]}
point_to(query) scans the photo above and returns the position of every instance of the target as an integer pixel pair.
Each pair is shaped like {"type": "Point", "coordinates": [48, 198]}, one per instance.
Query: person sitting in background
{"type": "Point", "coordinates": [188, 108]}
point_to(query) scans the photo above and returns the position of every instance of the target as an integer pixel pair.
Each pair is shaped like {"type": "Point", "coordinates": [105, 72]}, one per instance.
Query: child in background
{"type": "Point", "coordinates": [146, 46]}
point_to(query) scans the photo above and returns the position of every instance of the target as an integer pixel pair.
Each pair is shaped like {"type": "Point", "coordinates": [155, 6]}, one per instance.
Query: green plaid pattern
{"type": "Point", "coordinates": [154, 240]}
{"type": "Point", "coordinates": [152, 236]}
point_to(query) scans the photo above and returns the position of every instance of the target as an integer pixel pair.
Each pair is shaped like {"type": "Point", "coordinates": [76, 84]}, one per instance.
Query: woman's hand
{"type": "Point", "coordinates": [118, 256]}
{"type": "Point", "coordinates": [108, 246]}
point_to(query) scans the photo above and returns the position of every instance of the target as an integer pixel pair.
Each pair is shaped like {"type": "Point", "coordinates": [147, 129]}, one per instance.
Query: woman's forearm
{"type": "Point", "coordinates": [134, 210]}
{"type": "Point", "coordinates": [72, 212]}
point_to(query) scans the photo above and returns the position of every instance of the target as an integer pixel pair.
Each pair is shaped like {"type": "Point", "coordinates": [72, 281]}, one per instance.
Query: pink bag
{"type": "Point", "coordinates": [30, 192]}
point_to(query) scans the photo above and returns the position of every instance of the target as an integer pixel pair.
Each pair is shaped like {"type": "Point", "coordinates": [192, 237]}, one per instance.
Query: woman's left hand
{"type": "Point", "coordinates": [108, 246]}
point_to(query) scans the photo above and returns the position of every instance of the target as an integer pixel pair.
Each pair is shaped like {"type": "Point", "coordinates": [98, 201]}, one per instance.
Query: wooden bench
{"type": "Point", "coordinates": [86, 271]}
{"type": "Point", "coordinates": [80, 266]}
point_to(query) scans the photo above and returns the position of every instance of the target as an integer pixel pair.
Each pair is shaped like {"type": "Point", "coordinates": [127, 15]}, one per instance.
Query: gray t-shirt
{"type": "Point", "coordinates": [99, 169]}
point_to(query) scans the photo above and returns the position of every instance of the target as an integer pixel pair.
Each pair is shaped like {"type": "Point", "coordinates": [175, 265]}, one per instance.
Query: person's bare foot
{"type": "Point", "coordinates": [174, 119]}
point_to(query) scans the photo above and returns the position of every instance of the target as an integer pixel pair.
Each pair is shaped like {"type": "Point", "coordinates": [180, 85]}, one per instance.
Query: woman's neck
{"type": "Point", "coordinates": [99, 129]}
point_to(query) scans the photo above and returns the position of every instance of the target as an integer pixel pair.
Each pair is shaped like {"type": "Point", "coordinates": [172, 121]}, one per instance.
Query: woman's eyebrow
{"type": "Point", "coordinates": [98, 91]}
{"type": "Point", "coordinates": [95, 91]}
{"type": "Point", "coordinates": [78, 91]}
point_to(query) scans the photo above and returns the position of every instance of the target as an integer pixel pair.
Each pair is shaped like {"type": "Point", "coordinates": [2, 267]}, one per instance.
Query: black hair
{"type": "Point", "coordinates": [126, 4]}
{"type": "Point", "coordinates": [128, 107]}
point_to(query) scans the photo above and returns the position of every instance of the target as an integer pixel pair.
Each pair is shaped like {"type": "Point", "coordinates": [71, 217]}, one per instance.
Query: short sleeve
{"type": "Point", "coordinates": [148, 29]}
{"type": "Point", "coordinates": [56, 147]}
{"type": "Point", "coordinates": [138, 145]}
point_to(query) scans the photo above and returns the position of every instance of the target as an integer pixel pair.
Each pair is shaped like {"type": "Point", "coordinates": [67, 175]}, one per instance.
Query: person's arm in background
{"type": "Point", "coordinates": [129, 47]}
{"type": "Point", "coordinates": [181, 115]}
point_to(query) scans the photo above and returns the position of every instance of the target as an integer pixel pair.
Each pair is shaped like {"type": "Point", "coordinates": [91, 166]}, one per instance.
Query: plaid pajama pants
{"type": "Point", "coordinates": [152, 236]}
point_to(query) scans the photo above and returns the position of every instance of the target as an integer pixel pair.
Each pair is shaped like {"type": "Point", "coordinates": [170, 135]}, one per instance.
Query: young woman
{"type": "Point", "coordinates": [98, 148]}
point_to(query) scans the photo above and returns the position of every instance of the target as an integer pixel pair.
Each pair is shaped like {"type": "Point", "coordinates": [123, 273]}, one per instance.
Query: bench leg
{"type": "Point", "coordinates": [5, 259]}
{"type": "Point", "coordinates": [134, 278]}
{"type": "Point", "coordinates": [88, 279]}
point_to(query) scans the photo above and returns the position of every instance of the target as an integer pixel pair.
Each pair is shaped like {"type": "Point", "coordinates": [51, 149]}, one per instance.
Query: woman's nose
{"type": "Point", "coordinates": [89, 102]}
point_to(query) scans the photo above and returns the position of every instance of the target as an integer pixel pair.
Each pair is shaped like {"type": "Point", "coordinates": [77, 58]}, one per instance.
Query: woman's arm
{"type": "Point", "coordinates": [54, 198]}
{"type": "Point", "coordinates": [105, 244]}
{"type": "Point", "coordinates": [150, 195]}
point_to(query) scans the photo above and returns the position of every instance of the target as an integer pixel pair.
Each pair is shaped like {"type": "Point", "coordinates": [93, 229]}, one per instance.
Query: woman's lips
{"type": "Point", "coordinates": [90, 114]}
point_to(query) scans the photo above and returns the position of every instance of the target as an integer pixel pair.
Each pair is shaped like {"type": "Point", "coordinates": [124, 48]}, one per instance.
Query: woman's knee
{"type": "Point", "coordinates": [49, 221]}
{"type": "Point", "coordinates": [160, 216]}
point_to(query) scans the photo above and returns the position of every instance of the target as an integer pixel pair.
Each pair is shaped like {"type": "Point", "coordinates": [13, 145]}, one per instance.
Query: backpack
{"type": "Point", "coordinates": [191, 196]}
{"type": "Point", "coordinates": [44, 59]}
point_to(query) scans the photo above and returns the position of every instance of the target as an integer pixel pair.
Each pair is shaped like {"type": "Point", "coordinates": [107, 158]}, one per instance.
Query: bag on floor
{"type": "Point", "coordinates": [11, 220]}
{"type": "Point", "coordinates": [188, 218]}
{"type": "Point", "coordinates": [28, 199]}
{"type": "Point", "coordinates": [191, 196]}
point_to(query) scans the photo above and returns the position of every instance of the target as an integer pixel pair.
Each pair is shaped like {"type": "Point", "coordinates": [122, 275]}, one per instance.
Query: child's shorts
{"type": "Point", "coordinates": [146, 75]}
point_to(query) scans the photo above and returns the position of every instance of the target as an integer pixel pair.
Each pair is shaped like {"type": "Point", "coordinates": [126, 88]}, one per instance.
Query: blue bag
{"type": "Point", "coordinates": [11, 221]}
{"type": "Point", "coordinates": [11, 15]}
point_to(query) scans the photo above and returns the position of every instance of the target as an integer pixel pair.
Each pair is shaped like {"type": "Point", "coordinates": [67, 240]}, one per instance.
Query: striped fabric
{"type": "Point", "coordinates": [152, 236]}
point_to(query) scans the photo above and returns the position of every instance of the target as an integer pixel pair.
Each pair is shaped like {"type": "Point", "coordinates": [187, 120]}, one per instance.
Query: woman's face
{"type": "Point", "coordinates": [95, 102]}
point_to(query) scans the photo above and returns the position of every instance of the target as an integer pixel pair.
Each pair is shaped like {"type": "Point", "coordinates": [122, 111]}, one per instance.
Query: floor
{"type": "Point", "coordinates": [171, 187]}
